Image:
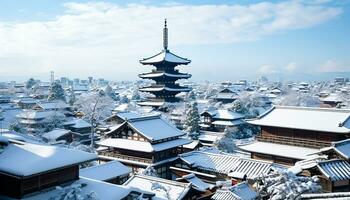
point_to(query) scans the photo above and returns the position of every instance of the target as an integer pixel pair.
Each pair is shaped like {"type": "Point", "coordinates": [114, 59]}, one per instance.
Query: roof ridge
{"type": "Point", "coordinates": [313, 109]}
{"type": "Point", "coordinates": [144, 118]}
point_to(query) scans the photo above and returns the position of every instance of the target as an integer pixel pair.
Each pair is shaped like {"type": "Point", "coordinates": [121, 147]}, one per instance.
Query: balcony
{"type": "Point", "coordinates": [125, 157]}
{"type": "Point", "coordinates": [301, 142]}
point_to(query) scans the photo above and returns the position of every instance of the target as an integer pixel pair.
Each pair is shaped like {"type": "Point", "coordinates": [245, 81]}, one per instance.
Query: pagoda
{"type": "Point", "coordinates": [165, 75]}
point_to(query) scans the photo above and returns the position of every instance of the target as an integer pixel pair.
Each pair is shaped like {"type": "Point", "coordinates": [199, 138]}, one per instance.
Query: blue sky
{"type": "Point", "coordinates": [224, 40]}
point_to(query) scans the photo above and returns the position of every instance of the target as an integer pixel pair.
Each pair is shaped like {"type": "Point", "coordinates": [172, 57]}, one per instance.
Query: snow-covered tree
{"type": "Point", "coordinates": [299, 99]}
{"type": "Point", "coordinates": [56, 92]}
{"type": "Point", "coordinates": [192, 121]}
{"type": "Point", "coordinates": [95, 107]}
{"type": "Point", "coordinates": [30, 83]}
{"type": "Point", "coordinates": [135, 95]}
{"type": "Point", "coordinates": [164, 190]}
{"type": "Point", "coordinates": [149, 171]}
{"type": "Point", "coordinates": [226, 143]}
{"type": "Point", "coordinates": [124, 99]}
{"type": "Point", "coordinates": [286, 185]}
{"type": "Point", "coordinates": [73, 192]}
{"type": "Point", "coordinates": [85, 148]}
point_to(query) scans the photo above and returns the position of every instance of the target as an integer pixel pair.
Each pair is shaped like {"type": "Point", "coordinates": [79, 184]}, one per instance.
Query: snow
{"type": "Point", "coordinates": [78, 123]}
{"type": "Point", "coordinates": [225, 163]}
{"type": "Point", "coordinates": [315, 119]}
{"type": "Point", "coordinates": [335, 170]}
{"type": "Point", "coordinates": [160, 74]}
{"type": "Point", "coordinates": [163, 189]}
{"type": "Point", "coordinates": [327, 196]}
{"type": "Point", "coordinates": [154, 128]}
{"type": "Point", "coordinates": [142, 146]}
{"type": "Point", "coordinates": [165, 56]}
{"type": "Point", "coordinates": [103, 190]}
{"type": "Point", "coordinates": [161, 88]}
{"type": "Point", "coordinates": [55, 134]}
{"type": "Point", "coordinates": [105, 171]}
{"type": "Point", "coordinates": [282, 150]}
{"type": "Point", "coordinates": [241, 191]}
{"type": "Point", "coordinates": [196, 182]}
{"type": "Point", "coordinates": [228, 123]}
{"type": "Point", "coordinates": [224, 114]}
{"type": "Point", "coordinates": [33, 114]}
{"type": "Point", "coordinates": [128, 115]}
{"type": "Point", "coordinates": [53, 105]}
{"type": "Point", "coordinates": [151, 103]}
{"type": "Point", "coordinates": [342, 147]}
{"type": "Point", "coordinates": [191, 145]}
{"type": "Point", "coordinates": [39, 158]}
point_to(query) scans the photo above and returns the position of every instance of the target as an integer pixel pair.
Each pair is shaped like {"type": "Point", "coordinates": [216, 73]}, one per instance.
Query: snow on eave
{"type": "Point", "coordinates": [163, 57]}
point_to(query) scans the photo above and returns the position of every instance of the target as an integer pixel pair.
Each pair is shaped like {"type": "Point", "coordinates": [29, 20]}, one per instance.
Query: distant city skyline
{"type": "Point", "coordinates": [225, 41]}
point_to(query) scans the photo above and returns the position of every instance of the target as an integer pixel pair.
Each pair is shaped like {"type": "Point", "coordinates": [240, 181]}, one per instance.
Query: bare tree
{"type": "Point", "coordinates": [95, 107]}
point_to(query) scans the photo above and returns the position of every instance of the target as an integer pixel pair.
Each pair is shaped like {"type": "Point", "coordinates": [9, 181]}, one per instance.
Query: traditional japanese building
{"type": "Point", "coordinates": [142, 142]}
{"type": "Point", "coordinates": [290, 134]}
{"type": "Point", "coordinates": [165, 75]}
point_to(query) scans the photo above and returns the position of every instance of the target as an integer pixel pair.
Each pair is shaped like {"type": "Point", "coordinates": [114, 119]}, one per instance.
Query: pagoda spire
{"type": "Point", "coordinates": [165, 36]}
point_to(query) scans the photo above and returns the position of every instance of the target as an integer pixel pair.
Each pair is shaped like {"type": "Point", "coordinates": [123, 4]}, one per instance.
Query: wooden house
{"type": "Point", "coordinates": [289, 134]}
{"type": "Point", "coordinates": [142, 142]}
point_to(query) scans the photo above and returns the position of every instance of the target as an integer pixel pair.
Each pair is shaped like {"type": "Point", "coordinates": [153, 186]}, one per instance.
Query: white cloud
{"type": "Point", "coordinates": [266, 70]}
{"type": "Point", "coordinates": [333, 66]}
{"type": "Point", "coordinates": [107, 39]}
{"type": "Point", "coordinates": [291, 67]}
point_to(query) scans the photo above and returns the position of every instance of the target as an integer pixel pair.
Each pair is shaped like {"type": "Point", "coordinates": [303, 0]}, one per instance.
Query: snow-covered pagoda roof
{"type": "Point", "coordinates": [165, 56]}
{"type": "Point", "coordinates": [175, 190]}
{"type": "Point", "coordinates": [335, 170]}
{"type": "Point", "coordinates": [159, 88]}
{"type": "Point", "coordinates": [134, 145]}
{"type": "Point", "coordinates": [39, 158]}
{"type": "Point", "coordinates": [224, 163]}
{"type": "Point", "coordinates": [34, 114]}
{"type": "Point", "coordinates": [314, 119]}
{"type": "Point", "coordinates": [160, 74]}
{"type": "Point", "coordinates": [106, 171]}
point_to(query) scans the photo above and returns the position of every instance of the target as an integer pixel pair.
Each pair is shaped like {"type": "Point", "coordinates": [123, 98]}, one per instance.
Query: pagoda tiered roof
{"type": "Point", "coordinates": [165, 56]}
{"type": "Point", "coordinates": [158, 88]}
{"type": "Point", "coordinates": [157, 74]}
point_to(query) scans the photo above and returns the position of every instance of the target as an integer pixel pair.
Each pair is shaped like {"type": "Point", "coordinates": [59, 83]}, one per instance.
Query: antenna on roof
{"type": "Point", "coordinates": [165, 36]}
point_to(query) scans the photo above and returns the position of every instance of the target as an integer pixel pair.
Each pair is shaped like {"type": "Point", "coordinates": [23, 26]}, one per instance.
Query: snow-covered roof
{"type": "Point", "coordinates": [78, 123]}
{"type": "Point", "coordinates": [154, 127]}
{"type": "Point", "coordinates": [53, 105]}
{"type": "Point", "coordinates": [105, 171]}
{"type": "Point", "coordinates": [151, 103]}
{"type": "Point", "coordinates": [141, 146]}
{"type": "Point", "coordinates": [196, 182]}
{"type": "Point", "coordinates": [335, 170]}
{"type": "Point", "coordinates": [34, 114]}
{"type": "Point", "coordinates": [55, 134]}
{"type": "Point", "coordinates": [326, 196]}
{"type": "Point", "coordinates": [333, 97]}
{"type": "Point", "coordinates": [224, 163]}
{"type": "Point", "coordinates": [39, 158]}
{"type": "Point", "coordinates": [241, 191]}
{"type": "Point", "coordinates": [282, 150]}
{"type": "Point", "coordinates": [224, 114]}
{"type": "Point", "coordinates": [163, 188]}
{"type": "Point", "coordinates": [161, 88]}
{"type": "Point", "coordinates": [315, 119]}
{"type": "Point", "coordinates": [128, 115]}
{"type": "Point", "coordinates": [228, 123]}
{"type": "Point", "coordinates": [160, 74]}
{"type": "Point", "coordinates": [103, 190]}
{"type": "Point", "coordinates": [165, 56]}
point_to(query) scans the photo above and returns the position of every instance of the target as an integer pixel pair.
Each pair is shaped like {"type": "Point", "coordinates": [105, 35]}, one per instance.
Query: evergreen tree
{"type": "Point", "coordinates": [192, 121]}
{"type": "Point", "coordinates": [30, 83]}
{"type": "Point", "coordinates": [56, 92]}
